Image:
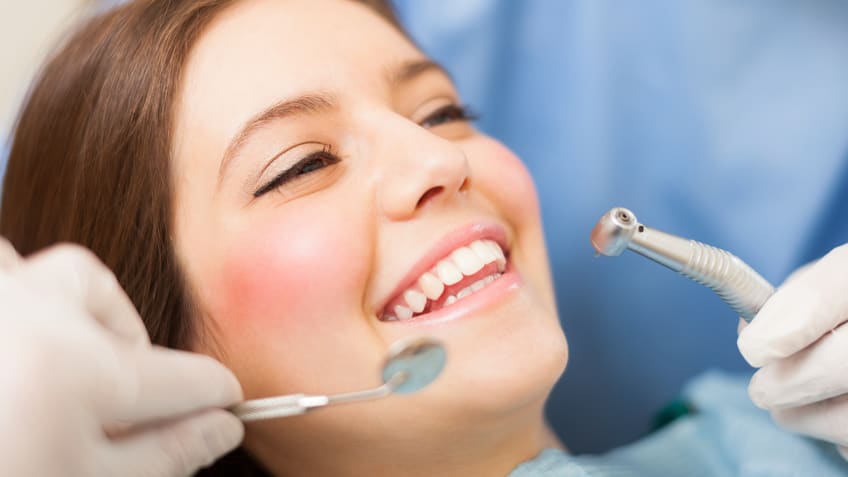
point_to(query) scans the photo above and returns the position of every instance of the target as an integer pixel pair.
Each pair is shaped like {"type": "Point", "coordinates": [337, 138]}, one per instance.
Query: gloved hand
{"type": "Point", "coordinates": [799, 341]}
{"type": "Point", "coordinates": [82, 390]}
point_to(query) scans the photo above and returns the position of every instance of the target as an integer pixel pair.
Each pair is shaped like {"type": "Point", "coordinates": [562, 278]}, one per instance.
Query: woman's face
{"type": "Point", "coordinates": [327, 187]}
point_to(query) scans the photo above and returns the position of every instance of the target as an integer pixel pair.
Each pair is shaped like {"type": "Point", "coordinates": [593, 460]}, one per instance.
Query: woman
{"type": "Point", "coordinates": [290, 187]}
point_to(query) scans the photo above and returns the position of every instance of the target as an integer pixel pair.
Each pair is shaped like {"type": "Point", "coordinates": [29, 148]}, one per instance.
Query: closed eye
{"type": "Point", "coordinates": [308, 165]}
{"type": "Point", "coordinates": [448, 114]}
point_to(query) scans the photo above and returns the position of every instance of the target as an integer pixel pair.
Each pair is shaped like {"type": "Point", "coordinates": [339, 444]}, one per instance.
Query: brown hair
{"type": "Point", "coordinates": [90, 158]}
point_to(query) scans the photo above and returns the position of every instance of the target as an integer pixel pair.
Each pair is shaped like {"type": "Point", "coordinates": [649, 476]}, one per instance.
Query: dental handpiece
{"type": "Point", "coordinates": [732, 279]}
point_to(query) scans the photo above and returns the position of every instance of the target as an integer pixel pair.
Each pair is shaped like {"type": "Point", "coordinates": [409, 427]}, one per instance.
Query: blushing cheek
{"type": "Point", "coordinates": [503, 175]}
{"type": "Point", "coordinates": [288, 278]}
{"type": "Point", "coordinates": [506, 179]}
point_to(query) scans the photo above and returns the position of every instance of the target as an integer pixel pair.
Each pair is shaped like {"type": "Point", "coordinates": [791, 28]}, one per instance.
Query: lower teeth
{"type": "Point", "coordinates": [476, 286]}
{"type": "Point", "coordinates": [451, 299]}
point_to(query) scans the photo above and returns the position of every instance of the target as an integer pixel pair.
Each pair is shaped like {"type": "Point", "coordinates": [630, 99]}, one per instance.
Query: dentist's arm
{"type": "Point", "coordinates": [799, 340]}
{"type": "Point", "coordinates": [82, 390]}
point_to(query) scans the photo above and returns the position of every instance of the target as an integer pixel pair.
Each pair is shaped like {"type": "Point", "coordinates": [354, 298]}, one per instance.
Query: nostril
{"type": "Point", "coordinates": [432, 192]}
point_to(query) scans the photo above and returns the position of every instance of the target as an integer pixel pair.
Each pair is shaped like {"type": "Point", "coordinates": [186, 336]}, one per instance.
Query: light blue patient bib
{"type": "Point", "coordinates": [728, 436]}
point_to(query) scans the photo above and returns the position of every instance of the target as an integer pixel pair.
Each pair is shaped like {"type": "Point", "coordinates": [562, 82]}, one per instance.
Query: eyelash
{"type": "Point", "coordinates": [326, 157]}
{"type": "Point", "coordinates": [323, 158]}
{"type": "Point", "coordinates": [449, 113]}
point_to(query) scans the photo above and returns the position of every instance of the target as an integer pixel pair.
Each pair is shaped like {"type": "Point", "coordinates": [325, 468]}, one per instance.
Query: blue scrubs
{"type": "Point", "coordinates": [718, 120]}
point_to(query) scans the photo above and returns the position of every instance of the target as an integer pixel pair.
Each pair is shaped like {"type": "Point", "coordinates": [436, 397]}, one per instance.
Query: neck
{"type": "Point", "coordinates": [455, 450]}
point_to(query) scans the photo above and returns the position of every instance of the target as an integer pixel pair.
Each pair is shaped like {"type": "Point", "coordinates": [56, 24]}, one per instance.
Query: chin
{"type": "Point", "coordinates": [512, 367]}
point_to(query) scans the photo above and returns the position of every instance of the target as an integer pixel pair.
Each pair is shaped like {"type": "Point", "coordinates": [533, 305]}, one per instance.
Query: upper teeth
{"type": "Point", "coordinates": [462, 262]}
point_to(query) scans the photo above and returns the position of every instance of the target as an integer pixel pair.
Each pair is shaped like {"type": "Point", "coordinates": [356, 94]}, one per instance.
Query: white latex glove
{"type": "Point", "coordinates": [83, 392]}
{"type": "Point", "coordinates": [799, 341]}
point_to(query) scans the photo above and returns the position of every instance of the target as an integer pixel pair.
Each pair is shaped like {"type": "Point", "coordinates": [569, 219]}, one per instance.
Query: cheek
{"type": "Point", "coordinates": [502, 175]}
{"type": "Point", "coordinates": [291, 277]}
{"type": "Point", "coordinates": [504, 179]}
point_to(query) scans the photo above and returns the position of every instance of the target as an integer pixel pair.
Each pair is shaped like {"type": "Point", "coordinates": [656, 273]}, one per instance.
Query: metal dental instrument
{"type": "Point", "coordinates": [410, 366]}
{"type": "Point", "coordinates": [732, 279]}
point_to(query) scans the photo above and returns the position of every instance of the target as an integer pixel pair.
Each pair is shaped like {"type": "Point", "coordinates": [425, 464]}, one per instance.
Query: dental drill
{"type": "Point", "coordinates": [410, 366]}
{"type": "Point", "coordinates": [732, 279]}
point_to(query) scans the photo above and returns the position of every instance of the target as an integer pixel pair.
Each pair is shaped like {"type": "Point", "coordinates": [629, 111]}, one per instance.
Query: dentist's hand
{"type": "Point", "coordinates": [800, 341]}
{"type": "Point", "coordinates": [82, 390]}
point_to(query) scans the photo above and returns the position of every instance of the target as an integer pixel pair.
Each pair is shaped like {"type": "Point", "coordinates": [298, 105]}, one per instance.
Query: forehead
{"type": "Point", "coordinates": [259, 51]}
{"type": "Point", "coordinates": [296, 38]}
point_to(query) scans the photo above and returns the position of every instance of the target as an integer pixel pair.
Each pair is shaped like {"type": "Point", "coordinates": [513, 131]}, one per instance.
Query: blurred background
{"type": "Point", "coordinates": [28, 31]}
{"type": "Point", "coordinates": [724, 121]}
{"type": "Point", "coordinates": [721, 120]}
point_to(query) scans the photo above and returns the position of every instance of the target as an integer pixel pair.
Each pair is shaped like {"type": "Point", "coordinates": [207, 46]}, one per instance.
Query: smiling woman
{"type": "Point", "coordinates": [290, 187]}
{"type": "Point", "coordinates": [361, 174]}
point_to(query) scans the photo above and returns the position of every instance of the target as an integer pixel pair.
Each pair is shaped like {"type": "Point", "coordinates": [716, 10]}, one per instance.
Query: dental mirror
{"type": "Point", "coordinates": [419, 361]}
{"type": "Point", "coordinates": [410, 366]}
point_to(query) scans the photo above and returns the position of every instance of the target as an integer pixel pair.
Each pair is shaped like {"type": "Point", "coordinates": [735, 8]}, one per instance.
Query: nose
{"type": "Point", "coordinates": [420, 169]}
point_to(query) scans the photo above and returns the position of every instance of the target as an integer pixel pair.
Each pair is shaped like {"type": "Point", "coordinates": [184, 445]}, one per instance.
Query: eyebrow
{"type": "Point", "coordinates": [315, 103]}
{"type": "Point", "coordinates": [302, 105]}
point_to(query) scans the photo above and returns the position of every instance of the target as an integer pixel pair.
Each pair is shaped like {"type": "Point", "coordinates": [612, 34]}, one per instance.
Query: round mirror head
{"type": "Point", "coordinates": [413, 364]}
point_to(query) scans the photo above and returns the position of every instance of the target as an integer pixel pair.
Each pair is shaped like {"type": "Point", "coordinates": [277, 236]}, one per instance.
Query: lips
{"type": "Point", "coordinates": [462, 264]}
